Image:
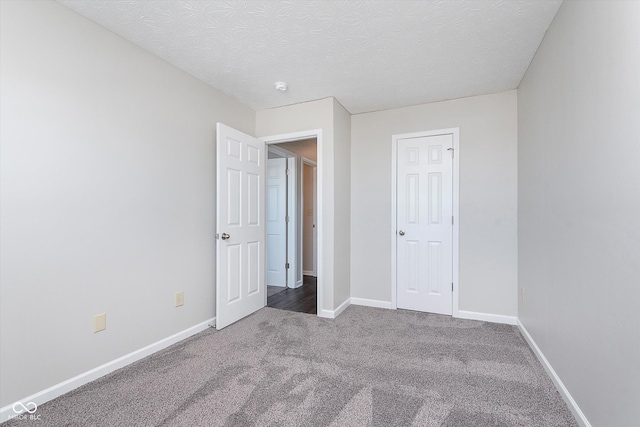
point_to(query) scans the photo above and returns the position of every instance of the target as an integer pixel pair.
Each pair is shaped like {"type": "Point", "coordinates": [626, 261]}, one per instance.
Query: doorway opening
{"type": "Point", "coordinates": [292, 243]}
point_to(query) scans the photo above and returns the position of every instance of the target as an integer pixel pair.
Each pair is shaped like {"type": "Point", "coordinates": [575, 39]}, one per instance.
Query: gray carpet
{"type": "Point", "coordinates": [368, 367]}
{"type": "Point", "coordinates": [273, 290]}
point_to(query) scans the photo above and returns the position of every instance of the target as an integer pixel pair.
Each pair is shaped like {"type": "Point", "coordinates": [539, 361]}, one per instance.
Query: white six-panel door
{"type": "Point", "coordinates": [424, 212]}
{"type": "Point", "coordinates": [276, 222]}
{"type": "Point", "coordinates": [240, 225]}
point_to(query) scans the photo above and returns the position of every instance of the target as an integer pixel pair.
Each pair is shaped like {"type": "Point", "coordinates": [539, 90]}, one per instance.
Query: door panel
{"type": "Point", "coordinates": [276, 222]}
{"type": "Point", "coordinates": [240, 286]}
{"type": "Point", "coordinates": [425, 232]}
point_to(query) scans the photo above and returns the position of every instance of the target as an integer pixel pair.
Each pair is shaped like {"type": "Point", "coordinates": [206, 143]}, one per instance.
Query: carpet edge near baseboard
{"type": "Point", "coordinates": [557, 382]}
{"type": "Point", "coordinates": [66, 386]}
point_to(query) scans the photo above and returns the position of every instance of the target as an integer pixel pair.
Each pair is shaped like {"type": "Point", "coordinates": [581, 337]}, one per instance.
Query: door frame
{"type": "Point", "coordinates": [314, 165]}
{"type": "Point", "coordinates": [455, 132]}
{"type": "Point", "coordinates": [292, 255]}
{"type": "Point", "coordinates": [299, 136]}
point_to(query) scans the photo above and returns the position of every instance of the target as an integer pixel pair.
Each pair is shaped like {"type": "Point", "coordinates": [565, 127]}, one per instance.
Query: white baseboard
{"type": "Point", "coordinates": [308, 273]}
{"type": "Point", "coordinates": [371, 302]}
{"type": "Point", "coordinates": [487, 317]}
{"type": "Point", "coordinates": [342, 307]}
{"type": "Point", "coordinates": [327, 314]}
{"type": "Point", "coordinates": [332, 314]}
{"type": "Point", "coordinates": [573, 406]}
{"type": "Point", "coordinates": [71, 384]}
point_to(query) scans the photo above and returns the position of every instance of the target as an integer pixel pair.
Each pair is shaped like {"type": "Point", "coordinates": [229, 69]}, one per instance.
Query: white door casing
{"type": "Point", "coordinates": [241, 171]}
{"type": "Point", "coordinates": [424, 223]}
{"type": "Point", "coordinates": [276, 222]}
{"type": "Point", "coordinates": [309, 217]}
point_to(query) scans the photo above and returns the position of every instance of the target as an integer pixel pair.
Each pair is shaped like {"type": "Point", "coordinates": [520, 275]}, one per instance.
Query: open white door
{"type": "Point", "coordinates": [240, 228]}
{"type": "Point", "coordinates": [277, 222]}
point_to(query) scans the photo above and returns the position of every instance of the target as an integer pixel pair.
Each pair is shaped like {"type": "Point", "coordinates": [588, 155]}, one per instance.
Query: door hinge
{"type": "Point", "coordinates": [286, 265]}
{"type": "Point", "coordinates": [451, 286]}
{"type": "Point", "coordinates": [286, 218]}
{"type": "Point", "coordinates": [452, 151]}
{"type": "Point", "coordinates": [452, 220]}
{"type": "Point", "coordinates": [287, 172]}
{"type": "Point", "coordinates": [217, 235]}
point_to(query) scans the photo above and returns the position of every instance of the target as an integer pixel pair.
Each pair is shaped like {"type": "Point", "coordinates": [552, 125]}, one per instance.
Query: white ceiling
{"type": "Point", "coordinates": [370, 55]}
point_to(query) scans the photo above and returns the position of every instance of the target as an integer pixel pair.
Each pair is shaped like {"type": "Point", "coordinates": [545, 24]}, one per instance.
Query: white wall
{"type": "Point", "coordinates": [108, 195]}
{"type": "Point", "coordinates": [342, 203]}
{"type": "Point", "coordinates": [488, 198]}
{"type": "Point", "coordinates": [579, 205]}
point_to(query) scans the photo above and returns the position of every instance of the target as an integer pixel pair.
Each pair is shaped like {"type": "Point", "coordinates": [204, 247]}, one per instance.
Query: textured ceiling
{"type": "Point", "coordinates": [370, 55]}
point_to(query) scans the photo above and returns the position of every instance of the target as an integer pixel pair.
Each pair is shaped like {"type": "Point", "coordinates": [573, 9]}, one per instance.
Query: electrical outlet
{"type": "Point", "coordinates": [99, 322]}
{"type": "Point", "coordinates": [522, 293]}
{"type": "Point", "coordinates": [179, 298]}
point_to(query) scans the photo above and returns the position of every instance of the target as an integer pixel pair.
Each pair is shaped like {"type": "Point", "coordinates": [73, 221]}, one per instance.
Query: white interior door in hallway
{"type": "Point", "coordinates": [424, 227]}
{"type": "Point", "coordinates": [240, 225]}
{"type": "Point", "coordinates": [276, 222]}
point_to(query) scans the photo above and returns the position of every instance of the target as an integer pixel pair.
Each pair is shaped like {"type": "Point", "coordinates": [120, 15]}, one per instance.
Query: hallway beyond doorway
{"type": "Point", "coordinates": [302, 299]}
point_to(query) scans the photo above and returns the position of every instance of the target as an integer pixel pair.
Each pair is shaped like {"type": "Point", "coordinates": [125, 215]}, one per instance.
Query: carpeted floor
{"type": "Point", "coordinates": [368, 367]}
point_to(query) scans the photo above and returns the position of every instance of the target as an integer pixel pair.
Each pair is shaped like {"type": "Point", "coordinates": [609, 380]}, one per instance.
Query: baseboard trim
{"type": "Point", "coordinates": [71, 384]}
{"type": "Point", "coordinates": [371, 302]}
{"type": "Point", "coordinates": [487, 317]}
{"type": "Point", "coordinates": [573, 406]}
{"type": "Point", "coordinates": [332, 314]}
{"type": "Point", "coordinates": [342, 307]}
{"type": "Point", "coordinates": [308, 273]}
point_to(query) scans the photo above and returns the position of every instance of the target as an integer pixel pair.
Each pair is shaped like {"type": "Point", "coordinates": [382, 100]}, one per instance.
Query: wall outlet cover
{"type": "Point", "coordinates": [179, 298]}
{"type": "Point", "coordinates": [99, 322]}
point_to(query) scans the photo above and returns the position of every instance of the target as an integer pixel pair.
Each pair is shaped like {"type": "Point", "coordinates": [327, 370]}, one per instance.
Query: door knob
{"type": "Point", "coordinates": [225, 236]}
{"type": "Point", "coordinates": [399, 232]}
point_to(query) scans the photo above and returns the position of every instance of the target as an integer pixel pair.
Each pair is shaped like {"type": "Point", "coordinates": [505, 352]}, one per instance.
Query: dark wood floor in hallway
{"type": "Point", "coordinates": [302, 299]}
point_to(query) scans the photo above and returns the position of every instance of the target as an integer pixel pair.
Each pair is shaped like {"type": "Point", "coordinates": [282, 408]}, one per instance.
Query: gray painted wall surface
{"type": "Point", "coordinates": [108, 195]}
{"type": "Point", "coordinates": [488, 199]}
{"type": "Point", "coordinates": [579, 205]}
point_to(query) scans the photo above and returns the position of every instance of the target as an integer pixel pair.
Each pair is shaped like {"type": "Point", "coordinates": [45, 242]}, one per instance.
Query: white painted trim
{"type": "Point", "coordinates": [456, 220]}
{"type": "Point", "coordinates": [308, 273]}
{"type": "Point", "coordinates": [371, 303]}
{"type": "Point", "coordinates": [571, 403]}
{"type": "Point", "coordinates": [332, 314]}
{"type": "Point", "coordinates": [292, 225]}
{"type": "Point", "coordinates": [281, 151]}
{"type": "Point", "coordinates": [455, 132]}
{"type": "Point", "coordinates": [486, 317]}
{"type": "Point", "coordinates": [314, 165]}
{"type": "Point", "coordinates": [327, 314]}
{"type": "Point", "coordinates": [298, 136]}
{"type": "Point", "coordinates": [71, 384]}
{"type": "Point", "coordinates": [342, 307]}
